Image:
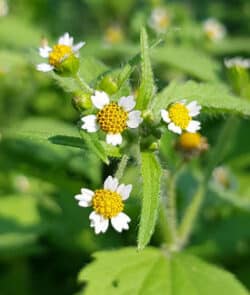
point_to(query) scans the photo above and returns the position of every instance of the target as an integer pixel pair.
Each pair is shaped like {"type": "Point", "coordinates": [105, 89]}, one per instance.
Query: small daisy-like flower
{"type": "Point", "coordinates": [179, 116]}
{"type": "Point", "coordinates": [159, 19]}
{"type": "Point", "coordinates": [113, 34]}
{"type": "Point", "coordinates": [192, 144]}
{"type": "Point", "coordinates": [112, 118]}
{"type": "Point", "coordinates": [214, 30]}
{"type": "Point", "coordinates": [108, 204]}
{"type": "Point", "coordinates": [58, 53]}
{"type": "Point", "coordinates": [238, 62]}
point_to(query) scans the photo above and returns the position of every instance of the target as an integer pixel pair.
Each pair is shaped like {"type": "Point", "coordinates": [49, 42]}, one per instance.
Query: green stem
{"type": "Point", "coordinates": [163, 228]}
{"type": "Point", "coordinates": [82, 84]}
{"type": "Point", "coordinates": [171, 207]}
{"type": "Point", "coordinates": [219, 151]}
{"type": "Point", "coordinates": [121, 167]}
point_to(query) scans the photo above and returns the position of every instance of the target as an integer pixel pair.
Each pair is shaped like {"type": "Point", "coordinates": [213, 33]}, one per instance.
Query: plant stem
{"type": "Point", "coordinates": [227, 132]}
{"type": "Point", "coordinates": [171, 207]}
{"type": "Point", "coordinates": [121, 167]}
{"type": "Point", "coordinates": [83, 85]}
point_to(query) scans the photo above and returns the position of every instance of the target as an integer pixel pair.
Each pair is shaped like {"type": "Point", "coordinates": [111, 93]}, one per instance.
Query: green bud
{"type": "Point", "coordinates": [81, 101]}
{"type": "Point", "coordinates": [69, 67]}
{"type": "Point", "coordinates": [108, 84]}
{"type": "Point", "coordinates": [239, 78]}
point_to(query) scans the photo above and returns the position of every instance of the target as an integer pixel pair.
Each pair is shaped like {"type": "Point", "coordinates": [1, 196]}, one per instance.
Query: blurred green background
{"type": "Point", "coordinates": [45, 237]}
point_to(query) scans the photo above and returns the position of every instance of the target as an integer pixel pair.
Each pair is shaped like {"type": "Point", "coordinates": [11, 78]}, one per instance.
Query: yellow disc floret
{"type": "Point", "coordinates": [190, 141]}
{"type": "Point", "coordinates": [114, 35]}
{"type": "Point", "coordinates": [112, 118]}
{"type": "Point", "coordinates": [58, 53]}
{"type": "Point", "coordinates": [107, 203]}
{"type": "Point", "coordinates": [179, 115]}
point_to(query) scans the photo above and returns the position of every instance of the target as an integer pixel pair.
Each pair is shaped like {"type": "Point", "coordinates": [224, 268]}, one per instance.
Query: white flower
{"type": "Point", "coordinates": [4, 8]}
{"type": "Point", "coordinates": [237, 62]}
{"type": "Point", "coordinates": [214, 30]}
{"type": "Point", "coordinates": [112, 118]}
{"type": "Point", "coordinates": [58, 53]}
{"type": "Point", "coordinates": [179, 116]}
{"type": "Point", "coordinates": [159, 19]}
{"type": "Point", "coordinates": [108, 204]}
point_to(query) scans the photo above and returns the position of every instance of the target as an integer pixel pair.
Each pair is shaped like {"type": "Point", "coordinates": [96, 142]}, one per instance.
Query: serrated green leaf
{"type": "Point", "coordinates": [126, 272]}
{"type": "Point", "coordinates": [230, 46]}
{"type": "Point", "coordinates": [41, 129]}
{"type": "Point", "coordinates": [213, 97]}
{"type": "Point", "coordinates": [151, 174]}
{"type": "Point", "coordinates": [146, 89]}
{"type": "Point", "coordinates": [189, 60]}
{"type": "Point", "coordinates": [94, 144]}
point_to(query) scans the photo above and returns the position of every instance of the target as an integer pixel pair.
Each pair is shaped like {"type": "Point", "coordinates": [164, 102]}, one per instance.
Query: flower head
{"type": "Point", "coordinates": [192, 144]}
{"type": "Point", "coordinates": [238, 62]}
{"type": "Point", "coordinates": [179, 116]}
{"type": "Point", "coordinates": [214, 30]}
{"type": "Point", "coordinates": [108, 204]}
{"type": "Point", "coordinates": [112, 118]}
{"type": "Point", "coordinates": [114, 34]}
{"type": "Point", "coordinates": [159, 19]}
{"type": "Point", "coordinates": [58, 53]}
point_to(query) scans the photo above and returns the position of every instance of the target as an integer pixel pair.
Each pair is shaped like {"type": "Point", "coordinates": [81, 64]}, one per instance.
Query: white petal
{"type": "Point", "coordinates": [66, 40]}
{"type": "Point", "coordinates": [124, 191]}
{"type": "Point", "coordinates": [99, 223]}
{"type": "Point", "coordinates": [90, 123]}
{"type": "Point", "coordinates": [114, 139]}
{"type": "Point", "coordinates": [111, 183]}
{"type": "Point", "coordinates": [44, 67]}
{"type": "Point", "coordinates": [44, 51]}
{"type": "Point", "coordinates": [127, 103]}
{"type": "Point", "coordinates": [120, 222]}
{"type": "Point", "coordinates": [165, 116]}
{"type": "Point", "coordinates": [85, 198]}
{"type": "Point", "coordinates": [174, 128]}
{"type": "Point", "coordinates": [193, 126]}
{"type": "Point", "coordinates": [100, 99]}
{"type": "Point", "coordinates": [194, 108]}
{"type": "Point", "coordinates": [78, 46]}
{"type": "Point", "coordinates": [134, 119]}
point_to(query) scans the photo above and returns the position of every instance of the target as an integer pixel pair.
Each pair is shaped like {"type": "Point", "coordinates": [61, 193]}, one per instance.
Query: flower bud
{"type": "Point", "coordinates": [108, 84]}
{"type": "Point", "coordinates": [69, 67]}
{"type": "Point", "coordinates": [81, 101]}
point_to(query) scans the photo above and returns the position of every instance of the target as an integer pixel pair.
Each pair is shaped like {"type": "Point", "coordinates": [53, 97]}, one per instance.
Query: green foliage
{"type": "Point", "coordinates": [189, 60]}
{"type": "Point", "coordinates": [151, 175]}
{"type": "Point", "coordinates": [20, 224]}
{"type": "Point", "coordinates": [213, 97]}
{"type": "Point", "coordinates": [94, 145]}
{"type": "Point", "coordinates": [154, 272]}
{"type": "Point", "coordinates": [41, 129]}
{"type": "Point", "coordinates": [146, 89]}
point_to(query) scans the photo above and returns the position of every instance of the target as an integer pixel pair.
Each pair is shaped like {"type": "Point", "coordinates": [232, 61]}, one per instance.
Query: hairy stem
{"type": "Point", "coordinates": [121, 167]}
{"type": "Point", "coordinates": [82, 84]}
{"type": "Point", "coordinates": [227, 132]}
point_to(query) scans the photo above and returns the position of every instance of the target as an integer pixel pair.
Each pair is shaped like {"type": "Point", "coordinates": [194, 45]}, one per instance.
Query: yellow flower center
{"type": "Point", "coordinates": [58, 53]}
{"type": "Point", "coordinates": [179, 115]}
{"type": "Point", "coordinates": [107, 203]}
{"type": "Point", "coordinates": [112, 118]}
{"type": "Point", "coordinates": [190, 141]}
{"type": "Point", "coordinates": [163, 21]}
{"type": "Point", "coordinates": [114, 35]}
